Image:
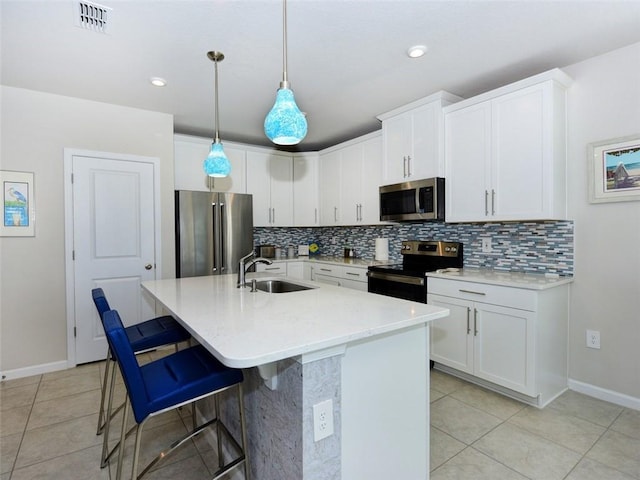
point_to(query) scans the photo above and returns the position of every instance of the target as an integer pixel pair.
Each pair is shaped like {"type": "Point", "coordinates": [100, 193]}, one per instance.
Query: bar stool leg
{"type": "Point", "coordinates": [104, 391]}
{"type": "Point", "coordinates": [243, 429]}
{"type": "Point", "coordinates": [123, 435]}
{"type": "Point", "coordinates": [105, 440]}
{"type": "Point", "coordinates": [216, 403]}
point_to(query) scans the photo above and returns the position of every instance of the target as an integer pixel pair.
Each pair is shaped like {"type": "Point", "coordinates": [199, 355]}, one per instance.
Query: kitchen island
{"type": "Point", "coordinates": [367, 354]}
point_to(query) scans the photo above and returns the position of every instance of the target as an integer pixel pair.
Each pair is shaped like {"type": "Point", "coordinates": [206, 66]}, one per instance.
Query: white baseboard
{"type": "Point", "coordinates": [34, 370]}
{"type": "Point", "coordinates": [604, 394]}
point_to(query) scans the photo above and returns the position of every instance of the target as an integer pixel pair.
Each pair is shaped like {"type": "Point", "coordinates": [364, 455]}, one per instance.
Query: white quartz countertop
{"type": "Point", "coordinates": [530, 281]}
{"type": "Point", "coordinates": [244, 329]}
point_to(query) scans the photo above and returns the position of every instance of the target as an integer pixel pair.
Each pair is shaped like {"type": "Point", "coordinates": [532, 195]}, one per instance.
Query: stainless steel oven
{"type": "Point", "coordinates": [407, 280]}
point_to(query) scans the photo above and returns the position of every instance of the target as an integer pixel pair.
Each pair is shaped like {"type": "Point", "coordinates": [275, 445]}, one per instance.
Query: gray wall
{"type": "Point", "coordinates": [36, 128]}
{"type": "Point", "coordinates": [604, 103]}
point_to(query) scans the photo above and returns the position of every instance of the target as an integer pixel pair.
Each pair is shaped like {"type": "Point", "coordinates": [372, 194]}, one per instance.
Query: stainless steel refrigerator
{"type": "Point", "coordinates": [213, 231]}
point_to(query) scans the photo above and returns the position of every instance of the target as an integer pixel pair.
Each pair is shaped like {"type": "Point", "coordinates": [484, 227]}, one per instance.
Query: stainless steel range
{"type": "Point", "coordinates": [408, 279]}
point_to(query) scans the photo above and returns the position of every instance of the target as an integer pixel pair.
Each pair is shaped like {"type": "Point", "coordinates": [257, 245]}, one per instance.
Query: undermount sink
{"type": "Point", "coordinates": [280, 286]}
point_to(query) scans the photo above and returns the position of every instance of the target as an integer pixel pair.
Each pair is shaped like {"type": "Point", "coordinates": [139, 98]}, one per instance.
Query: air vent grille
{"type": "Point", "coordinates": [92, 16]}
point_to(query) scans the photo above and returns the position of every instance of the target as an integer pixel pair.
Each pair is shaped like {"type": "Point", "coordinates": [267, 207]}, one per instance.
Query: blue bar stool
{"type": "Point", "coordinates": [151, 334]}
{"type": "Point", "coordinates": [169, 383]}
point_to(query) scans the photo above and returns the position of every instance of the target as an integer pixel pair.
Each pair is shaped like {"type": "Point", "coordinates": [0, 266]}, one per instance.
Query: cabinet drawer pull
{"type": "Point", "coordinates": [471, 291]}
{"type": "Point", "coordinates": [272, 268]}
{"type": "Point", "coordinates": [326, 270]}
{"type": "Point", "coordinates": [354, 274]}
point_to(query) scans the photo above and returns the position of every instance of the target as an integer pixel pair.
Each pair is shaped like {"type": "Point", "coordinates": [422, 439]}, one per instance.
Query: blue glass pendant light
{"type": "Point", "coordinates": [285, 124]}
{"type": "Point", "coordinates": [216, 164]}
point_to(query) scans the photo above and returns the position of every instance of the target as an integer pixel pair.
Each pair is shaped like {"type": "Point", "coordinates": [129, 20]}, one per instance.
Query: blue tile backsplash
{"type": "Point", "coordinates": [532, 247]}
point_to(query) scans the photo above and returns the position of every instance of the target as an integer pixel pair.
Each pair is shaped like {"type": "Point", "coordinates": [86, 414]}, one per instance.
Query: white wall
{"type": "Point", "coordinates": [35, 129]}
{"type": "Point", "coordinates": [604, 103]}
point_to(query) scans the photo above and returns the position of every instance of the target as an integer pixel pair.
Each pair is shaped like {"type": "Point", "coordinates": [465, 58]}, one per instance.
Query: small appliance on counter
{"type": "Point", "coordinates": [266, 251]}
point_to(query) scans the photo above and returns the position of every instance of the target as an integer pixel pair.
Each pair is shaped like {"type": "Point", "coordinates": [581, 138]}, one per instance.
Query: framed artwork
{"type": "Point", "coordinates": [614, 170]}
{"type": "Point", "coordinates": [18, 206]}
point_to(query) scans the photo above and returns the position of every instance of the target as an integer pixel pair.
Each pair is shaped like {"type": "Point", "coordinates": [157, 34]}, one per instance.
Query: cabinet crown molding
{"type": "Point", "coordinates": [442, 96]}
{"type": "Point", "coordinates": [556, 75]}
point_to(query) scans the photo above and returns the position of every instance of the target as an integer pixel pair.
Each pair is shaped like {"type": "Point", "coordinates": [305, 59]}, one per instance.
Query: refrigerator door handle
{"type": "Point", "coordinates": [222, 232]}
{"type": "Point", "coordinates": [213, 255]}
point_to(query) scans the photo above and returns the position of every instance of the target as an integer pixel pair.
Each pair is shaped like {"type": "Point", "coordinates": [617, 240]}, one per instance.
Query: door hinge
{"type": "Point", "coordinates": [75, 332]}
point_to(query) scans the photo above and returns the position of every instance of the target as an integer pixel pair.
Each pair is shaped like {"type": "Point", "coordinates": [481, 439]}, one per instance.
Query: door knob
{"type": "Point", "coordinates": [148, 266]}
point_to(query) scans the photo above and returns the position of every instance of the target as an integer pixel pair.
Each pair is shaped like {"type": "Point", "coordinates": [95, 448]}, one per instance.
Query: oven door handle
{"type": "Point", "coordinates": [396, 278]}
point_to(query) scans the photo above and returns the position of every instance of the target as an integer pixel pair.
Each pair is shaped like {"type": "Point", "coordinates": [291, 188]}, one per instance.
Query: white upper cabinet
{"type": "Point", "coordinates": [505, 153]}
{"type": "Point", "coordinates": [412, 139]}
{"type": "Point", "coordinates": [189, 155]}
{"type": "Point", "coordinates": [350, 175]}
{"type": "Point", "coordinates": [306, 206]}
{"type": "Point", "coordinates": [330, 179]}
{"type": "Point", "coordinates": [270, 181]}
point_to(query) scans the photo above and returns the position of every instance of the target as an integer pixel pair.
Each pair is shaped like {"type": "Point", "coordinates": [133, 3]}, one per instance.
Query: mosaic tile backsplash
{"type": "Point", "coordinates": [532, 247]}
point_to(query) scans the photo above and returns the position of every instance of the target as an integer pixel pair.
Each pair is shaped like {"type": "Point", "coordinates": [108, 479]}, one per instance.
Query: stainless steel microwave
{"type": "Point", "coordinates": [413, 201]}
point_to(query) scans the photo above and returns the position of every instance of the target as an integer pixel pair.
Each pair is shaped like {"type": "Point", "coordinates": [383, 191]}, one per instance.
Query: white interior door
{"type": "Point", "coordinates": [113, 244]}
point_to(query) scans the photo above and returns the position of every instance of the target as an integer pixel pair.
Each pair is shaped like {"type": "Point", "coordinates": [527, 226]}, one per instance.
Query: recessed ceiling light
{"type": "Point", "coordinates": [417, 51]}
{"type": "Point", "coordinates": [158, 82]}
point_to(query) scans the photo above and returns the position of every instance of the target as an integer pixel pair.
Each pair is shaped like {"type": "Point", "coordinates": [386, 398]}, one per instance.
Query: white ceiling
{"type": "Point", "coordinates": [347, 60]}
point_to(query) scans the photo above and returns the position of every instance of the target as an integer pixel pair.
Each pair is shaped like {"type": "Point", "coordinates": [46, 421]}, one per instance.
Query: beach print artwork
{"type": "Point", "coordinates": [16, 204]}
{"type": "Point", "coordinates": [622, 169]}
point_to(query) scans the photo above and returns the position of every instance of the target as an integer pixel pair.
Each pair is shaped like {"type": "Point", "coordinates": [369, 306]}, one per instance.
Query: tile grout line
{"type": "Point", "coordinates": [596, 442]}
{"type": "Point", "coordinates": [24, 430]}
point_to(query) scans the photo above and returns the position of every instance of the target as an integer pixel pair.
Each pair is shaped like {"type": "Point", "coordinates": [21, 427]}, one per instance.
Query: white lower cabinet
{"type": "Point", "coordinates": [340, 276]}
{"type": "Point", "coordinates": [513, 338]}
{"type": "Point", "coordinates": [295, 270]}
{"type": "Point", "coordinates": [276, 268]}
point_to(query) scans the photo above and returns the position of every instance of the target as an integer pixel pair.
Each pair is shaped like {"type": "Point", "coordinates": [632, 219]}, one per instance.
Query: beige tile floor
{"type": "Point", "coordinates": [478, 435]}
{"type": "Point", "coordinates": [47, 431]}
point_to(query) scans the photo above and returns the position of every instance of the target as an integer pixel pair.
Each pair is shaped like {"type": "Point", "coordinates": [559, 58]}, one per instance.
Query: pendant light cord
{"type": "Point", "coordinates": [217, 139]}
{"type": "Point", "coordinates": [285, 80]}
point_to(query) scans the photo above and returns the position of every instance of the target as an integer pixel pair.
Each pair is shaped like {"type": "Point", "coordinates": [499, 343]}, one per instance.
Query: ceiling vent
{"type": "Point", "coordinates": [92, 16]}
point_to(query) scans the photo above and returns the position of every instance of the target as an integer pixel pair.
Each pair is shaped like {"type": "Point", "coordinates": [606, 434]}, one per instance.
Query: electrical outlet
{"type": "Point", "coordinates": [593, 339]}
{"type": "Point", "coordinates": [322, 420]}
{"type": "Point", "coordinates": [486, 245]}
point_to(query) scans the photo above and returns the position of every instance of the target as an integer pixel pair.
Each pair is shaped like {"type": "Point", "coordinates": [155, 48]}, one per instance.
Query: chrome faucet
{"type": "Point", "coordinates": [244, 266]}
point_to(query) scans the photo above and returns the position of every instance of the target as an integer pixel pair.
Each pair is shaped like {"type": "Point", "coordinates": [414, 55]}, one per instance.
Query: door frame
{"type": "Point", "coordinates": [69, 153]}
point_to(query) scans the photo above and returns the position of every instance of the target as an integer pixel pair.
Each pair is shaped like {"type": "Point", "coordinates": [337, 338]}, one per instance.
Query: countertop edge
{"type": "Point", "coordinates": [527, 281]}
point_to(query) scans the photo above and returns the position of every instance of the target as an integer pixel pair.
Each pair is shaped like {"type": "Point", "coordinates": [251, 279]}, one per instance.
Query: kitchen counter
{"type": "Point", "coordinates": [326, 345]}
{"type": "Point", "coordinates": [529, 281]}
{"type": "Point", "coordinates": [244, 329]}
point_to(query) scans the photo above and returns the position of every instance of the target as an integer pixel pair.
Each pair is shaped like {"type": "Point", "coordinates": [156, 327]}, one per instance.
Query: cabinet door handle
{"type": "Point", "coordinates": [486, 203]}
{"type": "Point", "coordinates": [274, 215]}
{"type": "Point", "coordinates": [335, 214]}
{"type": "Point", "coordinates": [404, 167]}
{"type": "Point", "coordinates": [475, 322]}
{"type": "Point", "coordinates": [468, 318]}
{"type": "Point", "coordinates": [493, 202]}
{"type": "Point", "coordinates": [315, 215]}
{"type": "Point", "coordinates": [408, 165]}
{"type": "Point", "coordinates": [471, 291]}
